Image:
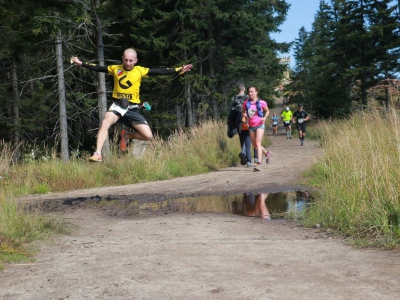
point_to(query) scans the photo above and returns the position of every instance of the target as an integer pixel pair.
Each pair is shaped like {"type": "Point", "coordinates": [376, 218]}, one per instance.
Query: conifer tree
{"type": "Point", "coordinates": [354, 44]}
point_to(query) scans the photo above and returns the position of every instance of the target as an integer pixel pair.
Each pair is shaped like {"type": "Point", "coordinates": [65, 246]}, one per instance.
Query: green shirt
{"type": "Point", "coordinates": [287, 115]}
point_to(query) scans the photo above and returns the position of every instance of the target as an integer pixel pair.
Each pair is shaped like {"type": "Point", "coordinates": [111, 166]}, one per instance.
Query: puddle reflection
{"type": "Point", "coordinates": [265, 205]}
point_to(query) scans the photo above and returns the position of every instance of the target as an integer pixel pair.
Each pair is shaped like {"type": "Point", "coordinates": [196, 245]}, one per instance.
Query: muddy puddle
{"type": "Point", "coordinates": [275, 205]}
{"type": "Point", "coordinates": [288, 204]}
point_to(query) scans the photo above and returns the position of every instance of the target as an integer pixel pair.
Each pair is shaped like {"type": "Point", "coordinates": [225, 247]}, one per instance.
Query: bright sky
{"type": "Point", "coordinates": [301, 13]}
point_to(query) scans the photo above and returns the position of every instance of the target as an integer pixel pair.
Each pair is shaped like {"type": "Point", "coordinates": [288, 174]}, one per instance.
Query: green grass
{"type": "Point", "coordinates": [358, 178]}
{"type": "Point", "coordinates": [19, 229]}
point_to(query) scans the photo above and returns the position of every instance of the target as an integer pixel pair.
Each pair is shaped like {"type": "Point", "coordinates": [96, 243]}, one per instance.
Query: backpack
{"type": "Point", "coordinates": [235, 115]}
{"type": "Point", "coordinates": [258, 105]}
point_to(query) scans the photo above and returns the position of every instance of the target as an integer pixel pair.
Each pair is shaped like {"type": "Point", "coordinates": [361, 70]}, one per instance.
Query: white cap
{"type": "Point", "coordinates": [287, 107]}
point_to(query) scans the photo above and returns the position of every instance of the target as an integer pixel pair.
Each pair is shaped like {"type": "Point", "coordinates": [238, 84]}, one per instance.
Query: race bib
{"type": "Point", "coordinates": [287, 122]}
{"type": "Point", "coordinates": [251, 113]}
{"type": "Point", "coordinates": [119, 109]}
{"type": "Point", "coordinates": [275, 123]}
{"type": "Point", "coordinates": [300, 120]}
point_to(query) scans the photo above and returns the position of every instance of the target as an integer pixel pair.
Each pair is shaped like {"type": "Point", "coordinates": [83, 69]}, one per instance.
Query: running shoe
{"type": "Point", "coordinates": [250, 165]}
{"type": "Point", "coordinates": [257, 167]}
{"type": "Point", "coordinates": [243, 159]}
{"type": "Point", "coordinates": [96, 158]}
{"type": "Point", "coordinates": [123, 141]}
{"type": "Point", "coordinates": [267, 157]}
{"type": "Point", "coordinates": [301, 143]}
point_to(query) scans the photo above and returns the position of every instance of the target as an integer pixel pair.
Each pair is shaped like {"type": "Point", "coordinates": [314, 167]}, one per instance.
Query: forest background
{"type": "Point", "coordinates": [350, 56]}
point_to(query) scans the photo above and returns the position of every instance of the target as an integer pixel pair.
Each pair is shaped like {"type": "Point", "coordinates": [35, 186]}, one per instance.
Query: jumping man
{"type": "Point", "coordinates": [126, 106]}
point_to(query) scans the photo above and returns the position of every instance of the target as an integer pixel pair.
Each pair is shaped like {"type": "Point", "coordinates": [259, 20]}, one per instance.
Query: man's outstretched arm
{"type": "Point", "coordinates": [166, 71]}
{"type": "Point", "coordinates": [76, 61]}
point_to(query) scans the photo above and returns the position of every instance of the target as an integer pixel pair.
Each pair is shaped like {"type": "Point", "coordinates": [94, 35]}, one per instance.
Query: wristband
{"type": "Point", "coordinates": [179, 69]}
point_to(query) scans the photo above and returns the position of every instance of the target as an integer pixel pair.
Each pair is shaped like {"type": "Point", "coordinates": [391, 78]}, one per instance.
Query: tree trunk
{"type": "Point", "coordinates": [187, 93]}
{"type": "Point", "coordinates": [15, 109]}
{"type": "Point", "coordinates": [211, 62]}
{"type": "Point", "coordinates": [101, 79]}
{"type": "Point", "coordinates": [387, 99]}
{"type": "Point", "coordinates": [178, 113]}
{"type": "Point", "coordinates": [61, 99]}
{"type": "Point", "coordinates": [198, 106]}
{"type": "Point", "coordinates": [363, 46]}
{"type": "Point", "coordinates": [188, 97]}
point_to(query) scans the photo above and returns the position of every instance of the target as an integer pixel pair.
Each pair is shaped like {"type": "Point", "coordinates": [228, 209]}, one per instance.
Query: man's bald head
{"type": "Point", "coordinates": [130, 51]}
{"type": "Point", "coordinates": [129, 59]}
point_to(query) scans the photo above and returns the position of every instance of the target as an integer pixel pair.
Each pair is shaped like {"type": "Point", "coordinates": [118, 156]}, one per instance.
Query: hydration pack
{"type": "Point", "coordinates": [258, 105]}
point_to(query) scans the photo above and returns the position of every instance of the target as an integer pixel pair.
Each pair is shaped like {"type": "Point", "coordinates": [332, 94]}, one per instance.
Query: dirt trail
{"type": "Point", "coordinates": [201, 255]}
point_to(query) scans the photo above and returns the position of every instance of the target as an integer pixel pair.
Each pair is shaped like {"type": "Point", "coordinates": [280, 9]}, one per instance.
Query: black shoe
{"type": "Point", "coordinates": [243, 159]}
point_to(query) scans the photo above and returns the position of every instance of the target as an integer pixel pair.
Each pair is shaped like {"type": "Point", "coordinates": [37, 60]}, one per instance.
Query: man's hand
{"type": "Point", "coordinates": [186, 68]}
{"type": "Point", "coordinates": [75, 60]}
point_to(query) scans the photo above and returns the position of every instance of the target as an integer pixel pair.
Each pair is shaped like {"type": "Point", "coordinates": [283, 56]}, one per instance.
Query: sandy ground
{"type": "Point", "coordinates": [122, 255]}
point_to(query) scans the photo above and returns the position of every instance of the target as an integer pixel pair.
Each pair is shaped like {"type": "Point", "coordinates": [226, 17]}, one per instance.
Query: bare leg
{"type": "Point", "coordinates": [256, 139]}
{"type": "Point", "coordinates": [109, 119]}
{"type": "Point", "coordinates": [143, 132]}
{"type": "Point", "coordinates": [300, 134]}
{"type": "Point", "coordinates": [263, 207]}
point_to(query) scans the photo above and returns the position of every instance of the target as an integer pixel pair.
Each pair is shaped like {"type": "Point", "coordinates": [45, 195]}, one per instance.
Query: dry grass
{"type": "Point", "coordinates": [201, 149]}
{"type": "Point", "coordinates": [359, 177]}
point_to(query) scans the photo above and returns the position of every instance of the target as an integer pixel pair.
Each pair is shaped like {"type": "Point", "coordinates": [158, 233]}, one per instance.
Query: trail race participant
{"type": "Point", "coordinates": [126, 102]}
{"type": "Point", "coordinates": [254, 206]}
{"type": "Point", "coordinates": [287, 116]}
{"type": "Point", "coordinates": [275, 120]}
{"type": "Point", "coordinates": [257, 112]}
{"type": "Point", "coordinates": [301, 118]}
{"type": "Point", "coordinates": [238, 122]}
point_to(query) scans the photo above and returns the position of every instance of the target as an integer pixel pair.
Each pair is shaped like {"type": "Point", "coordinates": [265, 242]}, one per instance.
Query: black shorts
{"type": "Point", "coordinates": [302, 127]}
{"type": "Point", "coordinates": [287, 124]}
{"type": "Point", "coordinates": [132, 117]}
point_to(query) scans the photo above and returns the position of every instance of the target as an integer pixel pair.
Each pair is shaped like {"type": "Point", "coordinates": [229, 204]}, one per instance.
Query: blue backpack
{"type": "Point", "coordinates": [258, 105]}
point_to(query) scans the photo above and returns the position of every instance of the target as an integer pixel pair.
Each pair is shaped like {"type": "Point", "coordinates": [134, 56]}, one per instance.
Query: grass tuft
{"type": "Point", "coordinates": [358, 178]}
{"type": "Point", "coordinates": [19, 229]}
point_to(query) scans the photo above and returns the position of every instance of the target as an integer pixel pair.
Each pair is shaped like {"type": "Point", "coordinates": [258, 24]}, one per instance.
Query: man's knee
{"type": "Point", "coordinates": [109, 120]}
{"type": "Point", "coordinates": [106, 124]}
{"type": "Point", "coordinates": [147, 137]}
{"type": "Point", "coordinates": [144, 132]}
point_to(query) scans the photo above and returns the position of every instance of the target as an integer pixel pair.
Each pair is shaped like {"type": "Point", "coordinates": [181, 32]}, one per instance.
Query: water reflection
{"type": "Point", "coordinates": [252, 206]}
{"type": "Point", "coordinates": [264, 205]}
{"type": "Point", "coordinates": [291, 204]}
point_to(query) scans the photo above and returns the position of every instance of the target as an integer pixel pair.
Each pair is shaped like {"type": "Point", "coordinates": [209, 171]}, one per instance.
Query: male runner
{"type": "Point", "coordinates": [126, 108]}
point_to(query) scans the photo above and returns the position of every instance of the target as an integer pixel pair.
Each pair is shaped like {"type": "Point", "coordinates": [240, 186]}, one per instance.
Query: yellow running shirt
{"type": "Point", "coordinates": [287, 115]}
{"type": "Point", "coordinates": [127, 83]}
